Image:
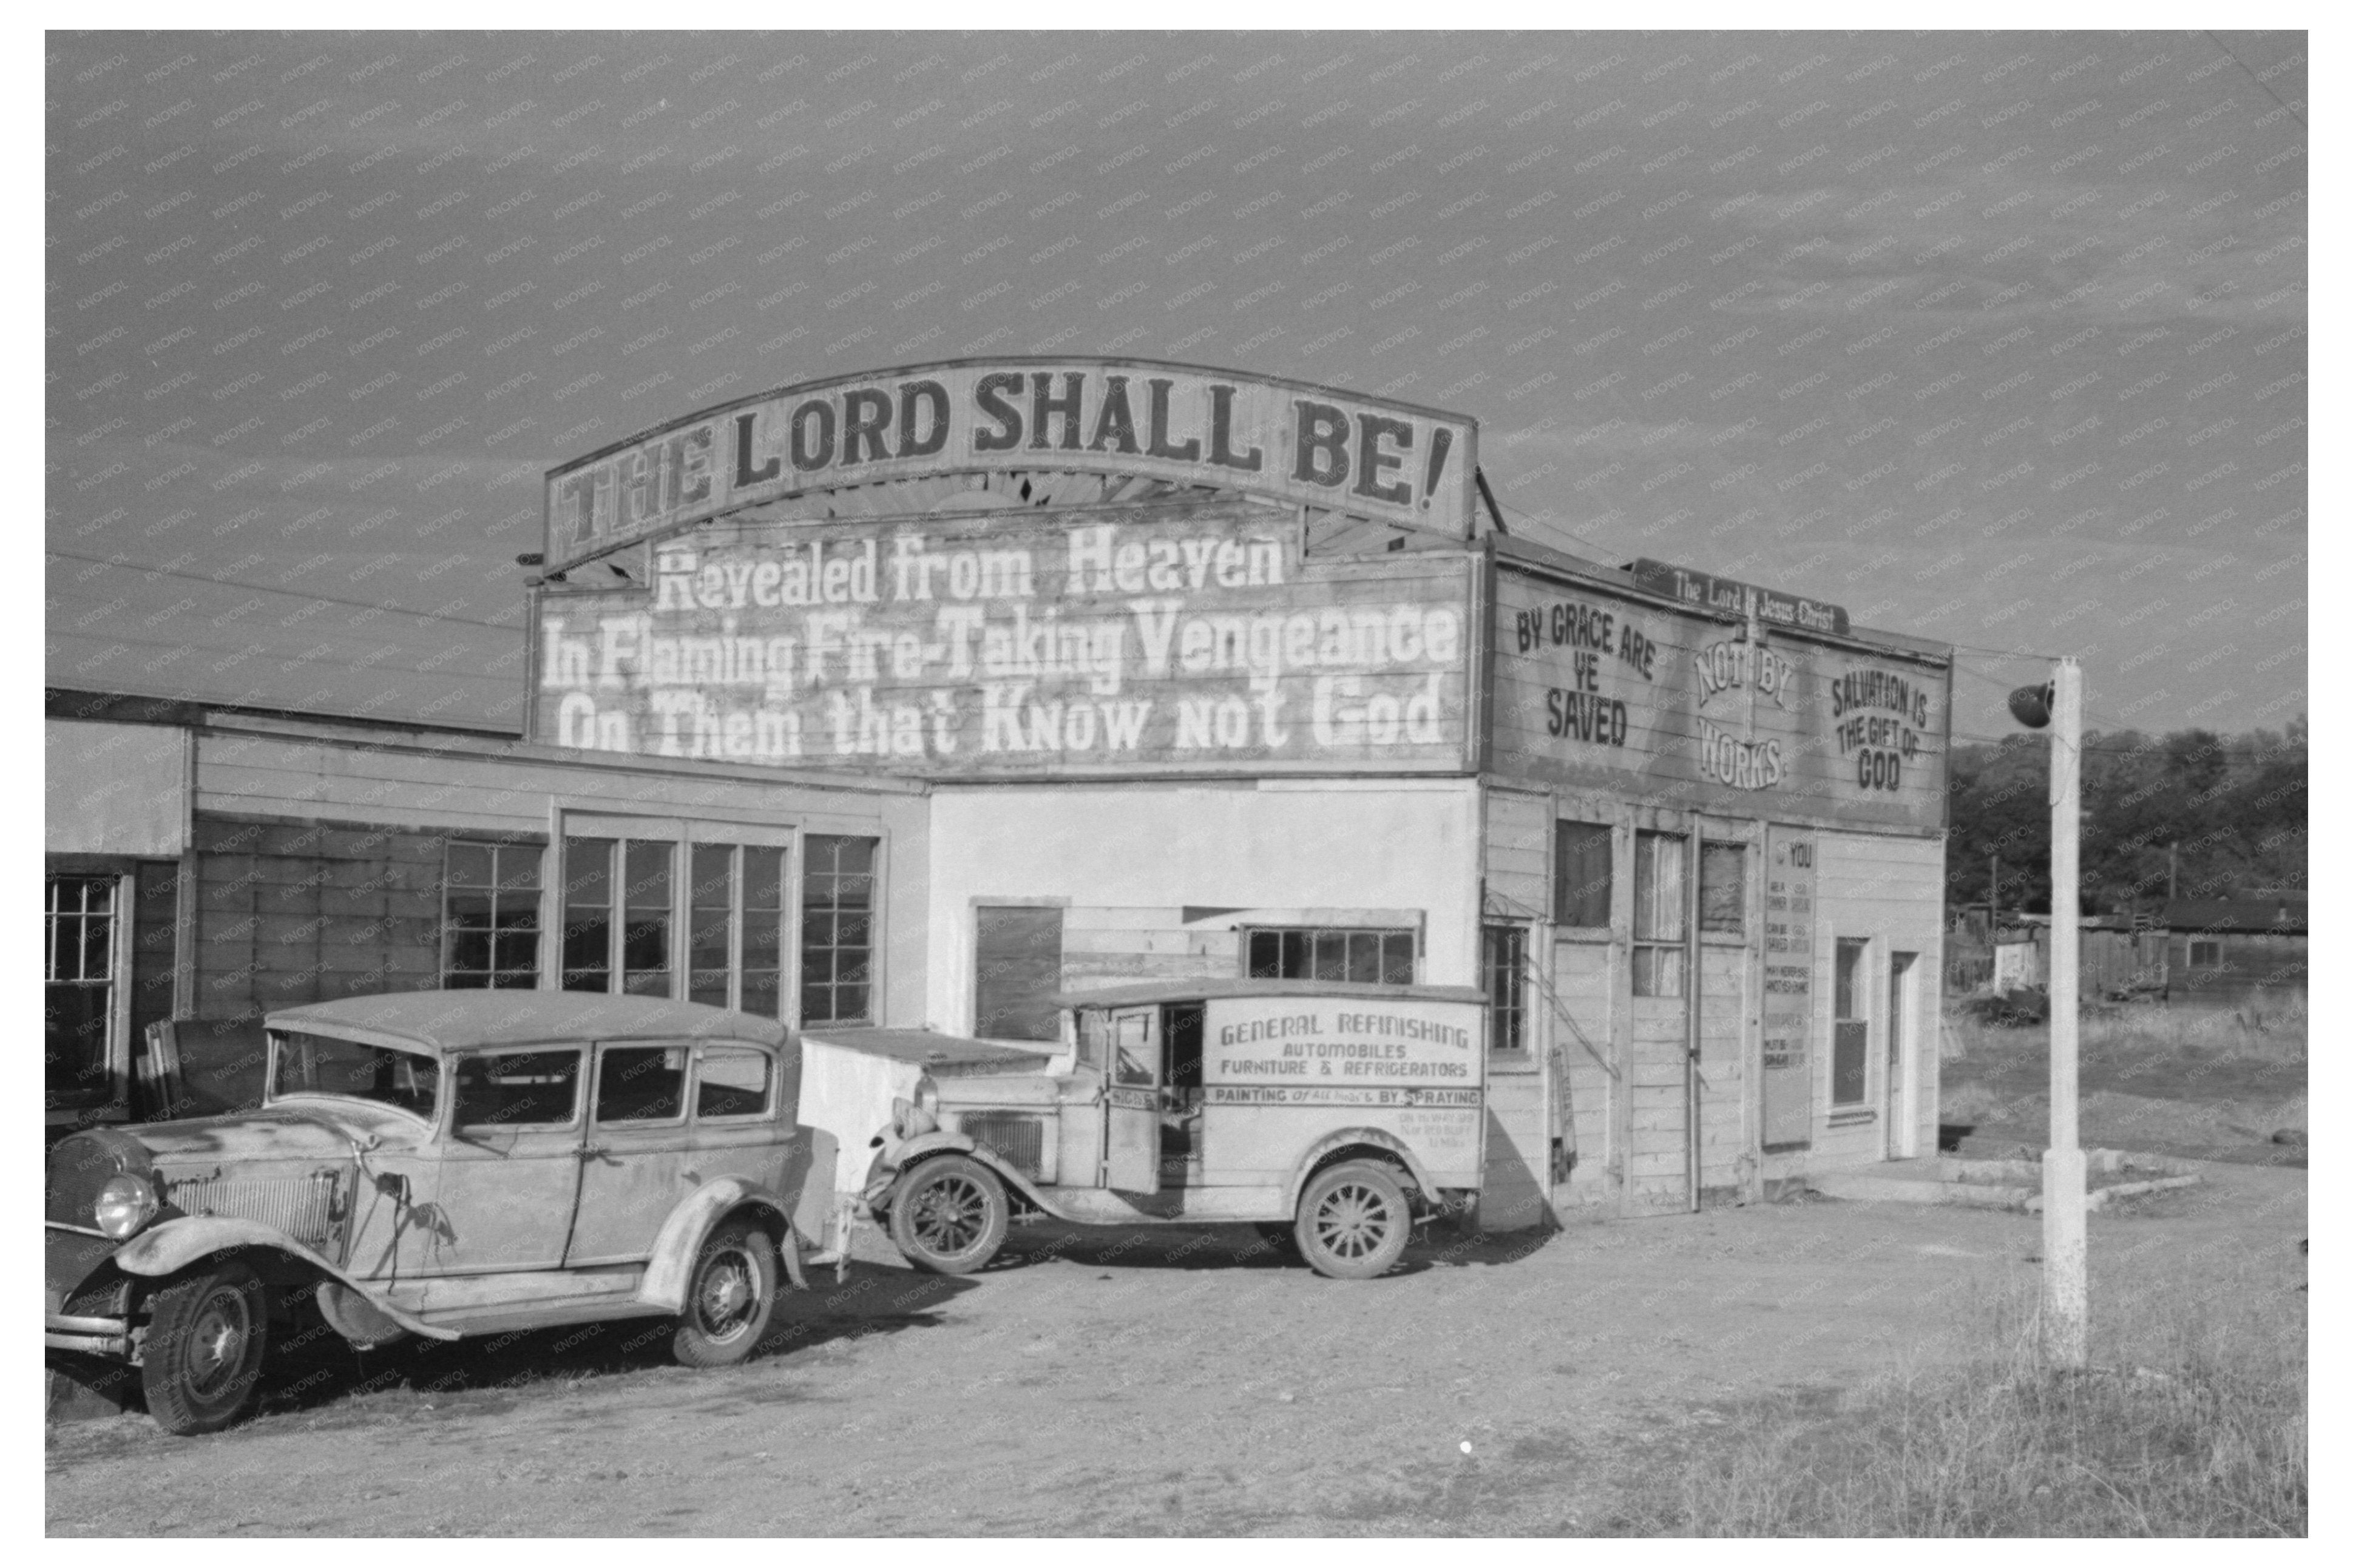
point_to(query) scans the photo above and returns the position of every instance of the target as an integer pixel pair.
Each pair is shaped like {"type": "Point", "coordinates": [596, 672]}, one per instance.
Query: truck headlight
{"type": "Point", "coordinates": [124, 1205]}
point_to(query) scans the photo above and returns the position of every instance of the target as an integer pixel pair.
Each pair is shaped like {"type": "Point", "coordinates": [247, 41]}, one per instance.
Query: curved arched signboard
{"type": "Point", "coordinates": [1289, 441]}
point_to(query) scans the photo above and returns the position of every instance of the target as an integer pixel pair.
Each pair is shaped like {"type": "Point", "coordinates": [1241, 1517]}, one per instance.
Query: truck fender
{"type": "Point", "coordinates": [690, 1224]}
{"type": "Point", "coordinates": [1387, 1143]}
{"type": "Point", "coordinates": [896, 1157]}
{"type": "Point", "coordinates": [174, 1244]}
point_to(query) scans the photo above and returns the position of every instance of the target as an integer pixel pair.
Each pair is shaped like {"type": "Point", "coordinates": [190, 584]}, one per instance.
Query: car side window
{"type": "Point", "coordinates": [732, 1080]}
{"type": "Point", "coordinates": [517, 1088]}
{"type": "Point", "coordinates": [641, 1083]}
{"type": "Point", "coordinates": [1136, 1049]}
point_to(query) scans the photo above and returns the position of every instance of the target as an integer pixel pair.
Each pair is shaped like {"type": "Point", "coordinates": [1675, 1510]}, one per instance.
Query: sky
{"type": "Point", "coordinates": [1997, 339]}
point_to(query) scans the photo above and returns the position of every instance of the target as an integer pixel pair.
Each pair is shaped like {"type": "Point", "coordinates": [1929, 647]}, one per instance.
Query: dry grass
{"type": "Point", "coordinates": [2205, 1083]}
{"type": "Point", "coordinates": [2192, 1423]}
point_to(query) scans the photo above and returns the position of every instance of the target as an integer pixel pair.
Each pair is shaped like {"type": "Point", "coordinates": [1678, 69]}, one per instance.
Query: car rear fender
{"type": "Point", "coordinates": [175, 1244]}
{"type": "Point", "coordinates": [689, 1225]}
{"type": "Point", "coordinates": [1373, 1137]}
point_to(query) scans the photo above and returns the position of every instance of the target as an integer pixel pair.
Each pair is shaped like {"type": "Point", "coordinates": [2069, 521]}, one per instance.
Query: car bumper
{"type": "Point", "coordinates": [77, 1263]}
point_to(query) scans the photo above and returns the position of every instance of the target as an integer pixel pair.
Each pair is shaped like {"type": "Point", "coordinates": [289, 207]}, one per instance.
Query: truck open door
{"type": "Point", "coordinates": [1132, 1102]}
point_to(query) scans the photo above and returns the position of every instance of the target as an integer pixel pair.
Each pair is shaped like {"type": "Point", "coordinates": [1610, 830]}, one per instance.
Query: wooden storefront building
{"type": "Point", "coordinates": [1081, 671]}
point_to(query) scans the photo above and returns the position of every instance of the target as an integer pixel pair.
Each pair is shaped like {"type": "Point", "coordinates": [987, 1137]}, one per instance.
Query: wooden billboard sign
{"type": "Point", "coordinates": [1192, 638]}
{"type": "Point", "coordinates": [1733, 597]}
{"type": "Point", "coordinates": [1603, 690]}
{"type": "Point", "coordinates": [1289, 441]}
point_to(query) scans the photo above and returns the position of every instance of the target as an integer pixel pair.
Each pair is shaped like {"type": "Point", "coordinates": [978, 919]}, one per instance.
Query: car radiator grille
{"type": "Point", "coordinates": [301, 1207]}
{"type": "Point", "coordinates": [1019, 1139]}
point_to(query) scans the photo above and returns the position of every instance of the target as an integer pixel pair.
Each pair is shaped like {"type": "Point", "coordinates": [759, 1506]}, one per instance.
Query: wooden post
{"type": "Point", "coordinates": [2066, 1295]}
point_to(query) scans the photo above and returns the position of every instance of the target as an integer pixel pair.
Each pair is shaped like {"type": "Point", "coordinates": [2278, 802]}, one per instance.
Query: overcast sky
{"type": "Point", "coordinates": [1999, 339]}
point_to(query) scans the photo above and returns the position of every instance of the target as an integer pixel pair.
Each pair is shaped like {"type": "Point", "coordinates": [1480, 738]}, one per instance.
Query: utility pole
{"type": "Point", "coordinates": [2067, 1311]}
{"type": "Point", "coordinates": [2066, 1294]}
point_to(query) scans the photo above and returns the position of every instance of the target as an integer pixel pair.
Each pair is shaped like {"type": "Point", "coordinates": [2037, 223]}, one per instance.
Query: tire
{"type": "Point", "coordinates": [1353, 1221]}
{"type": "Point", "coordinates": [729, 1297]}
{"type": "Point", "coordinates": [207, 1333]}
{"type": "Point", "coordinates": [948, 1216]}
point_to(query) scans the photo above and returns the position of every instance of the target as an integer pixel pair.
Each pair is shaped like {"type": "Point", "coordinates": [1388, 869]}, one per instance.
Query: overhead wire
{"type": "Point", "coordinates": [290, 593]}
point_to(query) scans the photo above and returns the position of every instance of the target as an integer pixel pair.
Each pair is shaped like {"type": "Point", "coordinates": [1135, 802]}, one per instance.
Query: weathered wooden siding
{"type": "Point", "coordinates": [1120, 946]}
{"type": "Point", "coordinates": [1886, 890]}
{"type": "Point", "coordinates": [1519, 856]}
{"type": "Point", "coordinates": [1518, 1151]}
{"type": "Point", "coordinates": [1581, 1054]}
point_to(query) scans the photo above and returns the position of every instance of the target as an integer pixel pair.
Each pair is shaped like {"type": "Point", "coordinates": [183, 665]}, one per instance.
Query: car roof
{"type": "Point", "coordinates": [1206, 988]}
{"type": "Point", "coordinates": [456, 1020]}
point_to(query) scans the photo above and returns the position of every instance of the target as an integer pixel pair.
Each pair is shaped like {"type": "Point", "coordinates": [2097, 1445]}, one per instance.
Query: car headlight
{"type": "Point", "coordinates": [124, 1205]}
{"type": "Point", "coordinates": [927, 1097]}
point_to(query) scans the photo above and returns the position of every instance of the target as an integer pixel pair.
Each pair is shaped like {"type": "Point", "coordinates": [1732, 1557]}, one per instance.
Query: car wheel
{"type": "Point", "coordinates": [206, 1333]}
{"type": "Point", "coordinates": [949, 1216]}
{"type": "Point", "coordinates": [729, 1298]}
{"type": "Point", "coordinates": [1353, 1221]}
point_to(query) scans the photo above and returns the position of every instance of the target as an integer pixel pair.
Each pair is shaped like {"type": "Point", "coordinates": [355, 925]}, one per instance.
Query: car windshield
{"type": "Point", "coordinates": [321, 1064]}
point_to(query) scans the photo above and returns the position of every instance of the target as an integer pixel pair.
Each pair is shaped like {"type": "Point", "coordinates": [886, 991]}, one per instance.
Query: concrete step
{"type": "Point", "coordinates": [2015, 1185]}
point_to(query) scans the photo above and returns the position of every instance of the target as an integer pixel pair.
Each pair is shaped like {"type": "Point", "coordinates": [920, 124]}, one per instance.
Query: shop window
{"type": "Point", "coordinates": [1503, 961]}
{"type": "Point", "coordinates": [1658, 914]}
{"type": "Point", "coordinates": [490, 917]}
{"type": "Point", "coordinates": [632, 923]}
{"type": "Point", "coordinates": [79, 970]}
{"type": "Point", "coordinates": [1373, 956]}
{"type": "Point", "coordinates": [2205, 954]}
{"type": "Point", "coordinates": [1017, 969]}
{"type": "Point", "coordinates": [1580, 874]}
{"type": "Point", "coordinates": [1724, 888]}
{"type": "Point", "coordinates": [838, 930]}
{"type": "Point", "coordinates": [1851, 1025]}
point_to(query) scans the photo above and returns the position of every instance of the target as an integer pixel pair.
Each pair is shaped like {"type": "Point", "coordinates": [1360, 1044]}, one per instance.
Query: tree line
{"type": "Point", "coordinates": [2207, 815]}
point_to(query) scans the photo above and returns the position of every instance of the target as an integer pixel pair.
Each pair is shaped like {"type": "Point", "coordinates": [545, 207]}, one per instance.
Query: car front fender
{"type": "Point", "coordinates": [689, 1226]}
{"type": "Point", "coordinates": [174, 1244]}
{"type": "Point", "coordinates": [895, 1158]}
{"type": "Point", "coordinates": [1373, 1137]}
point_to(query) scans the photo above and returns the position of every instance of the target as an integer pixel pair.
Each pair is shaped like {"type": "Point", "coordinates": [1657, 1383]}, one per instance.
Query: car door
{"type": "Point", "coordinates": [510, 1162]}
{"type": "Point", "coordinates": [1132, 1102]}
{"type": "Point", "coordinates": [634, 1161]}
{"type": "Point", "coordinates": [734, 1130]}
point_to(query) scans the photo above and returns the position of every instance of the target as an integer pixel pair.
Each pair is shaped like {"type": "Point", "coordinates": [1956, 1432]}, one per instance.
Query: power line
{"type": "Point", "coordinates": [290, 593]}
{"type": "Point", "coordinates": [2259, 81]}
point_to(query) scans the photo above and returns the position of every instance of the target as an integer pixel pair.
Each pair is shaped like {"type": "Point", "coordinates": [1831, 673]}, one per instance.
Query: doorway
{"type": "Point", "coordinates": [1903, 972]}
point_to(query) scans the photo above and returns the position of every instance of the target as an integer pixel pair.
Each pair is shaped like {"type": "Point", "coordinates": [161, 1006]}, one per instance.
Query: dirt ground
{"type": "Point", "coordinates": [1168, 1382]}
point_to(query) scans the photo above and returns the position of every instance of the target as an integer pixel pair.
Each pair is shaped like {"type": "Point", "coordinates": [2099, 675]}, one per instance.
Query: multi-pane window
{"type": "Point", "coordinates": [78, 967]}
{"type": "Point", "coordinates": [1370, 955]}
{"type": "Point", "coordinates": [2205, 953]}
{"type": "Point", "coordinates": [1724, 888]}
{"type": "Point", "coordinates": [1580, 874]}
{"type": "Point", "coordinates": [1658, 914]}
{"type": "Point", "coordinates": [1503, 960]}
{"type": "Point", "coordinates": [490, 917]}
{"type": "Point", "coordinates": [634, 923]}
{"type": "Point", "coordinates": [1851, 1025]}
{"type": "Point", "coordinates": [838, 930]}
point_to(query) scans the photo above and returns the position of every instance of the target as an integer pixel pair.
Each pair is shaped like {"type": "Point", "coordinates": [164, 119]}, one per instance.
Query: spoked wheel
{"type": "Point", "coordinates": [948, 1216]}
{"type": "Point", "coordinates": [1353, 1221]}
{"type": "Point", "coordinates": [201, 1364]}
{"type": "Point", "coordinates": [729, 1299]}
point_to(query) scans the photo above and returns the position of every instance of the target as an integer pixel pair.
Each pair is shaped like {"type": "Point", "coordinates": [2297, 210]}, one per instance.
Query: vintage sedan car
{"type": "Point", "coordinates": [444, 1163]}
{"type": "Point", "coordinates": [1331, 1115]}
